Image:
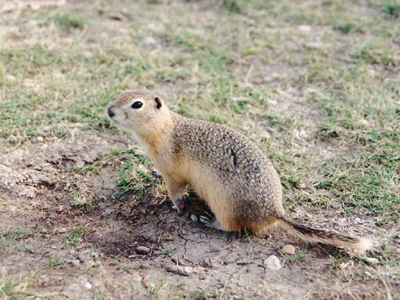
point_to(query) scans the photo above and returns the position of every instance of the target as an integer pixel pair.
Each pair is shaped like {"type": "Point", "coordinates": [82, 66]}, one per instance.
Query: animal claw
{"type": "Point", "coordinates": [179, 205]}
{"type": "Point", "coordinates": [207, 219]}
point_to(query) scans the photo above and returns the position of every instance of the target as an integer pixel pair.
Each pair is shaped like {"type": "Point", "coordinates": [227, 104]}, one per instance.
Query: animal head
{"type": "Point", "coordinates": [140, 112]}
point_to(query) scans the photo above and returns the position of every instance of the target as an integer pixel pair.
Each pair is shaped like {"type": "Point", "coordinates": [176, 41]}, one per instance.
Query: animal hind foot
{"type": "Point", "coordinates": [211, 221]}
{"type": "Point", "coordinates": [156, 174]}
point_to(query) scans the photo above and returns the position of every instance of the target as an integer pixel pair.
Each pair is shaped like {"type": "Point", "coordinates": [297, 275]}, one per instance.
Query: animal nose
{"type": "Point", "coordinates": [110, 112]}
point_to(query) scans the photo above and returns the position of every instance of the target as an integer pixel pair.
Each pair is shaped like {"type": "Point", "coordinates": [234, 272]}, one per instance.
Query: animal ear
{"type": "Point", "coordinates": [158, 101]}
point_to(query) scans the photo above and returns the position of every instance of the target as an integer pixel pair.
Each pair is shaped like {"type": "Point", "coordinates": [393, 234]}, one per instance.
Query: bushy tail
{"type": "Point", "coordinates": [315, 235]}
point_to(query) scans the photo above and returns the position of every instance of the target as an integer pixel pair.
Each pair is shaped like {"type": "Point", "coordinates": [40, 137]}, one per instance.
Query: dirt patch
{"type": "Point", "coordinates": [138, 245]}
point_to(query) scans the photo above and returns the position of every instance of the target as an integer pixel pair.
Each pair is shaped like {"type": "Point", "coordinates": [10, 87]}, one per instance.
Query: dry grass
{"type": "Point", "coordinates": [314, 83]}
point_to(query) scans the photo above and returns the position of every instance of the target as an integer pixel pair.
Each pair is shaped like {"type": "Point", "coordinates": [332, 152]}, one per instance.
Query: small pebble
{"type": "Point", "coordinates": [194, 218]}
{"type": "Point", "coordinates": [10, 77]}
{"type": "Point", "coordinates": [368, 124]}
{"type": "Point", "coordinates": [81, 257]}
{"type": "Point", "coordinates": [143, 250]}
{"type": "Point", "coordinates": [62, 230]}
{"type": "Point", "coordinates": [88, 285]}
{"type": "Point", "coordinates": [304, 28]}
{"type": "Point", "coordinates": [39, 139]}
{"type": "Point", "coordinates": [288, 249]}
{"type": "Point", "coordinates": [75, 262]}
{"type": "Point", "coordinates": [273, 263]}
{"type": "Point", "coordinates": [314, 45]}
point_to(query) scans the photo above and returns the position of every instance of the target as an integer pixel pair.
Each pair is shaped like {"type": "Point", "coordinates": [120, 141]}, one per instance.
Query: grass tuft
{"type": "Point", "coordinates": [233, 5]}
{"type": "Point", "coordinates": [75, 236]}
{"type": "Point", "coordinates": [68, 22]}
{"type": "Point", "coordinates": [80, 201]}
{"type": "Point", "coordinates": [135, 175]}
{"type": "Point", "coordinates": [392, 9]}
{"type": "Point", "coordinates": [349, 28]}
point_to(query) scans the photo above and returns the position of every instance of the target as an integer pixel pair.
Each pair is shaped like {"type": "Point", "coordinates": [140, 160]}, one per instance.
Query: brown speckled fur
{"type": "Point", "coordinates": [224, 167]}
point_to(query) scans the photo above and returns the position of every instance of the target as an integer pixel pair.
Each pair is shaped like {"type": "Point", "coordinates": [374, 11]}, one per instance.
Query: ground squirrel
{"type": "Point", "coordinates": [225, 168]}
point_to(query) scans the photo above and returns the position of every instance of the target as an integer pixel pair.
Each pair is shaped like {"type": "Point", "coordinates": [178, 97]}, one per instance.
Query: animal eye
{"type": "Point", "coordinates": [137, 105]}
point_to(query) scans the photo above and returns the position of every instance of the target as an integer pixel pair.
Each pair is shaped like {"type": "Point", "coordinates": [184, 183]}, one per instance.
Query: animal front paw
{"type": "Point", "coordinates": [178, 205]}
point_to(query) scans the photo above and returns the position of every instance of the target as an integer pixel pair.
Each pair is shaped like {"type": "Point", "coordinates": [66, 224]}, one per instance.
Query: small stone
{"type": "Point", "coordinates": [156, 27]}
{"type": "Point", "coordinates": [74, 262]}
{"type": "Point", "coordinates": [194, 218]}
{"type": "Point", "coordinates": [88, 285]}
{"type": "Point", "coordinates": [10, 78]}
{"type": "Point", "coordinates": [288, 249]}
{"type": "Point", "coordinates": [34, 6]}
{"type": "Point", "coordinates": [183, 271]}
{"type": "Point", "coordinates": [364, 123]}
{"type": "Point", "coordinates": [314, 45]}
{"type": "Point", "coordinates": [150, 40]}
{"type": "Point", "coordinates": [143, 250]}
{"type": "Point", "coordinates": [273, 263]}
{"type": "Point", "coordinates": [304, 28]}
{"type": "Point", "coordinates": [62, 230]}
{"type": "Point", "coordinates": [81, 257]}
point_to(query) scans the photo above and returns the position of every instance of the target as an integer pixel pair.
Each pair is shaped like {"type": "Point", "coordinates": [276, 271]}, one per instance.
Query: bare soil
{"type": "Point", "coordinates": [137, 247]}
{"type": "Point", "coordinates": [180, 258]}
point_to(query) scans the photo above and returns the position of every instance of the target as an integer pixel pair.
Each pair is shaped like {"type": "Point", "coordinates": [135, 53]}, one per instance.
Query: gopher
{"type": "Point", "coordinates": [224, 167]}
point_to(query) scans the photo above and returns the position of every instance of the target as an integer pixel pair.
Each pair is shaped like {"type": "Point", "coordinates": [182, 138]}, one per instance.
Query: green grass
{"type": "Point", "coordinates": [135, 173]}
{"type": "Point", "coordinates": [80, 201]}
{"type": "Point", "coordinates": [16, 235]}
{"type": "Point", "coordinates": [75, 236]}
{"type": "Point", "coordinates": [10, 288]}
{"type": "Point", "coordinates": [68, 22]}
{"type": "Point", "coordinates": [9, 240]}
{"type": "Point", "coordinates": [213, 70]}
{"type": "Point", "coordinates": [328, 118]}
{"type": "Point", "coordinates": [392, 8]}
